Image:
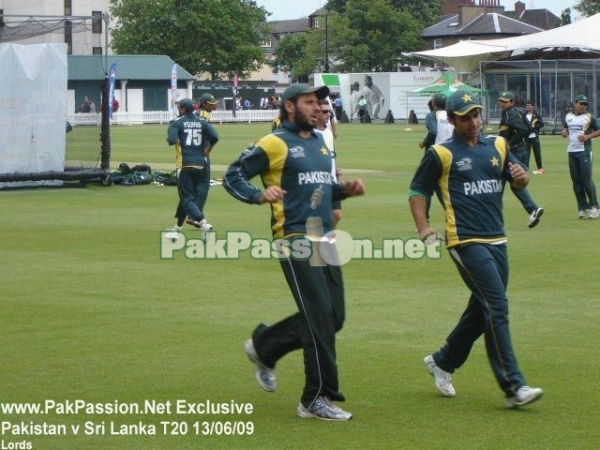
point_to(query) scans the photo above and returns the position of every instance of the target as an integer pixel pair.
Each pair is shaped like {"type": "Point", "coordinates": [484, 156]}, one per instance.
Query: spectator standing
{"type": "Point", "coordinates": [362, 108]}
{"type": "Point", "coordinates": [338, 107]}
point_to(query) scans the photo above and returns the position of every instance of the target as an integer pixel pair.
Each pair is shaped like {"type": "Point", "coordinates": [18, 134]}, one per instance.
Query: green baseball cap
{"type": "Point", "coordinates": [506, 97]}
{"type": "Point", "coordinates": [208, 98]}
{"type": "Point", "coordinates": [440, 100]}
{"type": "Point", "coordinates": [186, 103]}
{"type": "Point", "coordinates": [298, 89]}
{"type": "Point", "coordinates": [461, 102]}
{"type": "Point", "coordinates": [581, 99]}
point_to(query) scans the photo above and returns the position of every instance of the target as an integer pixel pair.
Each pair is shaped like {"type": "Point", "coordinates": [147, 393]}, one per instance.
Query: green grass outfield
{"type": "Point", "coordinates": [89, 311]}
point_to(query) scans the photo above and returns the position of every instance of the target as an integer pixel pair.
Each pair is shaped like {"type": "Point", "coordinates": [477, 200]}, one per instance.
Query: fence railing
{"type": "Point", "coordinates": [164, 117]}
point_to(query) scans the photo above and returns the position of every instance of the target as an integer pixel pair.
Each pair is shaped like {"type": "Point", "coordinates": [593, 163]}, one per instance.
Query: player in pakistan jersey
{"type": "Point", "coordinates": [295, 168]}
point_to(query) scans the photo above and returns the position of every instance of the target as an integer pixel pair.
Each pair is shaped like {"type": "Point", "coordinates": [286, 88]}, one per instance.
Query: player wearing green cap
{"type": "Point", "coordinates": [196, 137]}
{"type": "Point", "coordinates": [208, 103]}
{"type": "Point", "coordinates": [470, 171]}
{"type": "Point", "coordinates": [295, 168]}
{"type": "Point", "coordinates": [515, 129]}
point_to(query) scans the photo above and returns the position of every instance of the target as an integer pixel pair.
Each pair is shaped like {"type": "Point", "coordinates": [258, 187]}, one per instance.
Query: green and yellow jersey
{"type": "Point", "coordinates": [469, 182]}
{"type": "Point", "coordinates": [300, 166]}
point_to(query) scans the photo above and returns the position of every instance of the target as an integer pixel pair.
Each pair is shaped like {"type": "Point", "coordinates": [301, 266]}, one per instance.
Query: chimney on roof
{"type": "Point", "coordinates": [453, 6]}
{"type": "Point", "coordinates": [519, 9]}
{"type": "Point", "coordinates": [467, 13]}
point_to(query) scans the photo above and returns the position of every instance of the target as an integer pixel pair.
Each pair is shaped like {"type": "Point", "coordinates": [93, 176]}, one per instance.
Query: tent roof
{"type": "Point", "coordinates": [465, 56]}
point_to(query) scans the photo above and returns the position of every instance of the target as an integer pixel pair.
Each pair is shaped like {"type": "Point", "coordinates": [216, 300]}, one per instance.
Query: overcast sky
{"type": "Point", "coordinates": [295, 9]}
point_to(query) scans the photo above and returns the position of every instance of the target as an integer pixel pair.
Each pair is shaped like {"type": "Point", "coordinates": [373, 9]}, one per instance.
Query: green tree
{"type": "Point", "coordinates": [371, 35]}
{"type": "Point", "coordinates": [218, 37]}
{"type": "Point", "coordinates": [427, 12]}
{"type": "Point", "coordinates": [565, 18]}
{"type": "Point", "coordinates": [588, 7]}
{"type": "Point", "coordinates": [290, 53]}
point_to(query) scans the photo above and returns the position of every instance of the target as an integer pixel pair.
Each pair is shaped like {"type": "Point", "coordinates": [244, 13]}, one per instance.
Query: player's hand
{"type": "Point", "coordinates": [272, 194]}
{"type": "Point", "coordinates": [564, 133]}
{"type": "Point", "coordinates": [421, 144]}
{"type": "Point", "coordinates": [517, 173]}
{"type": "Point", "coordinates": [429, 236]}
{"type": "Point", "coordinates": [354, 187]}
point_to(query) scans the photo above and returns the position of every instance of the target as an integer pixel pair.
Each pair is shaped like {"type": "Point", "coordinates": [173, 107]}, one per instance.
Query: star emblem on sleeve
{"type": "Point", "coordinates": [495, 162]}
{"type": "Point", "coordinates": [324, 151]}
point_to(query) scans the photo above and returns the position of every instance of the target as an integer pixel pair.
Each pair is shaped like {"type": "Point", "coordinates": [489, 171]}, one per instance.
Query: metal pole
{"type": "Point", "coordinates": [326, 44]}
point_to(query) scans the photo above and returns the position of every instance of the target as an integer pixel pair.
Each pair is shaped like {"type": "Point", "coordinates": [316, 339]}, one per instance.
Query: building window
{"type": "Point", "coordinates": [68, 8]}
{"type": "Point", "coordinates": [266, 43]}
{"type": "Point", "coordinates": [438, 43]}
{"type": "Point", "coordinates": [96, 50]}
{"type": "Point", "coordinates": [97, 22]}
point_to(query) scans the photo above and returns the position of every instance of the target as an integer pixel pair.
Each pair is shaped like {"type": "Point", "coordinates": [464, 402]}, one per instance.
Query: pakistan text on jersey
{"type": "Point", "coordinates": [315, 177]}
{"type": "Point", "coordinates": [483, 187]}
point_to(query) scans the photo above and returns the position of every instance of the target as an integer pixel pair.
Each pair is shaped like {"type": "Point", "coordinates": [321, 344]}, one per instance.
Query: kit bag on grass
{"type": "Point", "coordinates": [142, 174]}
{"type": "Point", "coordinates": [165, 178]}
{"type": "Point", "coordinates": [132, 176]}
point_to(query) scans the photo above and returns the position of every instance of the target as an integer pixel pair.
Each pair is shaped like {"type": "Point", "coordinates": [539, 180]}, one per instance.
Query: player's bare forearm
{"type": "Point", "coordinates": [418, 208]}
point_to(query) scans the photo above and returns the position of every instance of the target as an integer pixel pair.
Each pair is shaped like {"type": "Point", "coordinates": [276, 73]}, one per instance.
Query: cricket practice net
{"type": "Point", "coordinates": [38, 144]}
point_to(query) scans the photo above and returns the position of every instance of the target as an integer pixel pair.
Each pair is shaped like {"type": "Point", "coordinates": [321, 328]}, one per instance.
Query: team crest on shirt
{"type": "Point", "coordinates": [495, 162]}
{"type": "Point", "coordinates": [297, 152]}
{"type": "Point", "coordinates": [464, 164]}
{"type": "Point", "coordinates": [324, 151]}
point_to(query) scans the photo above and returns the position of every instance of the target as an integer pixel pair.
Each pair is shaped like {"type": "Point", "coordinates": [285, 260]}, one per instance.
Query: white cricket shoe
{"type": "Point", "coordinates": [323, 409]}
{"type": "Point", "coordinates": [442, 379]}
{"type": "Point", "coordinates": [265, 376]}
{"type": "Point", "coordinates": [524, 396]}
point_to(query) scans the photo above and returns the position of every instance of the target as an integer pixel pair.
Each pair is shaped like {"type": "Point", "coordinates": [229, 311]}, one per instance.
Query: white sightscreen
{"type": "Point", "coordinates": [33, 114]}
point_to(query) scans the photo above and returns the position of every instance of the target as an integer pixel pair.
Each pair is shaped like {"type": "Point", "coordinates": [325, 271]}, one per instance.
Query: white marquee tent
{"type": "Point", "coordinates": [465, 56]}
